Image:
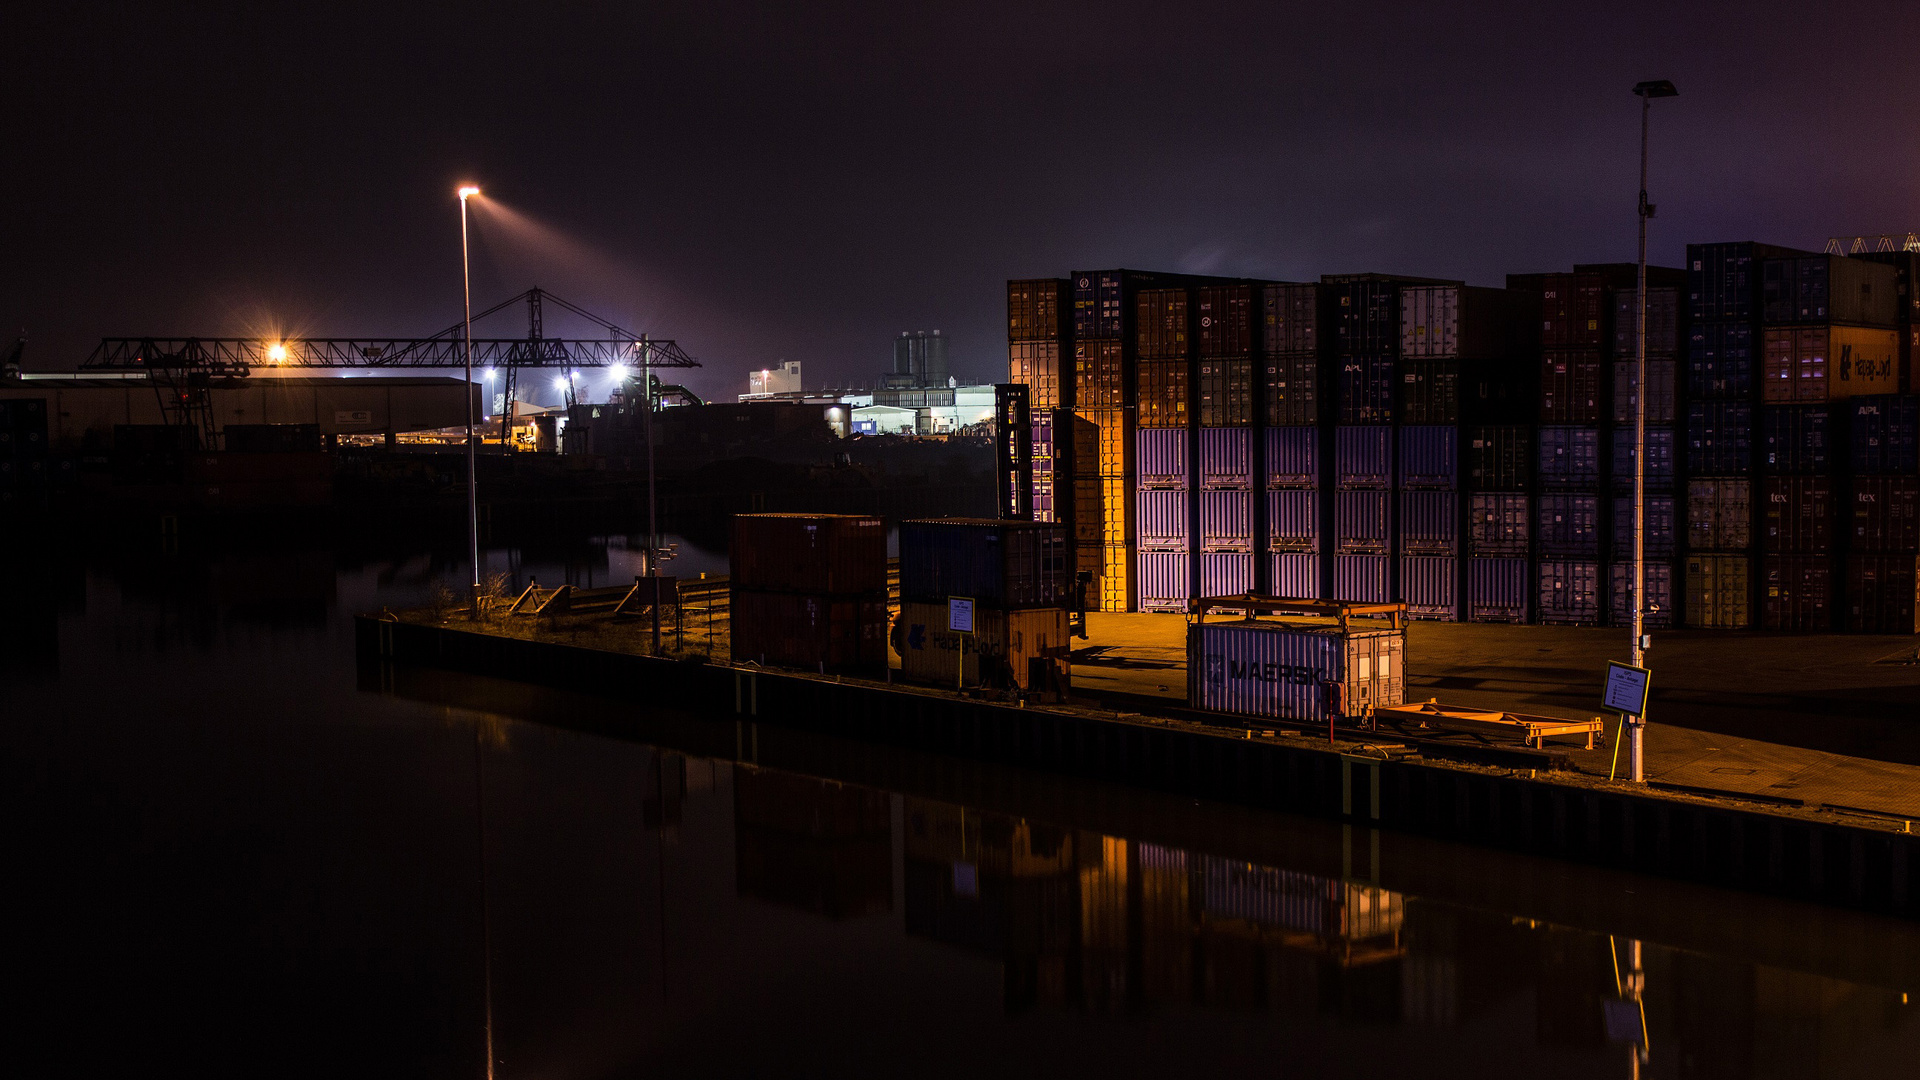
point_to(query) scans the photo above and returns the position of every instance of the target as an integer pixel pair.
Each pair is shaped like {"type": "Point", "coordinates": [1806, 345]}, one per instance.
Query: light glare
{"type": "Point", "coordinates": [277, 353]}
{"type": "Point", "coordinates": [619, 372]}
{"type": "Point", "coordinates": [466, 191]}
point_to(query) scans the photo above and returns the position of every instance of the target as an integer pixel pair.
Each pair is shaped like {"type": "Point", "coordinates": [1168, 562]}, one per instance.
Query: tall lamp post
{"type": "Point", "coordinates": [473, 499]}
{"type": "Point", "coordinates": [1636, 728]}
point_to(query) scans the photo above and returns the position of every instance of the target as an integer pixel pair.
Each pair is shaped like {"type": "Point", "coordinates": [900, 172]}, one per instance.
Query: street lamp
{"type": "Point", "coordinates": [1636, 726]}
{"type": "Point", "coordinates": [473, 500]}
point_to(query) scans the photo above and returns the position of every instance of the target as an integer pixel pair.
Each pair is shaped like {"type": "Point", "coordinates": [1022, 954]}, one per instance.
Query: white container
{"type": "Point", "coordinates": [1285, 670]}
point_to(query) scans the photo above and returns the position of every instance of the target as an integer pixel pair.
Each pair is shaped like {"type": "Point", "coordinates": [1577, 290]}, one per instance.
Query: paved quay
{"type": "Point", "coordinates": [1830, 720]}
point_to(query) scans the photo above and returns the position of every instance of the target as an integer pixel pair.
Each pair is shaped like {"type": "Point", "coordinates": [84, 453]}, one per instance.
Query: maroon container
{"type": "Point", "coordinates": [1796, 592]}
{"type": "Point", "coordinates": [809, 631]}
{"type": "Point", "coordinates": [1162, 327]}
{"type": "Point", "coordinates": [1881, 591]}
{"type": "Point", "coordinates": [1570, 386]}
{"type": "Point", "coordinates": [1886, 514]}
{"type": "Point", "coordinates": [840, 554]}
{"type": "Point", "coordinates": [1797, 514]}
{"type": "Point", "coordinates": [1225, 320]}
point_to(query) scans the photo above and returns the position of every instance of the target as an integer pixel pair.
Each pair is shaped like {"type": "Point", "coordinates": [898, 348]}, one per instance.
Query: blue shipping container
{"type": "Point", "coordinates": [1293, 575]}
{"type": "Point", "coordinates": [1293, 457]}
{"type": "Point", "coordinates": [1164, 580]}
{"type": "Point", "coordinates": [1886, 433]}
{"type": "Point", "coordinates": [1363, 456]}
{"type": "Point", "coordinates": [1430, 456]}
{"type": "Point", "coordinates": [1366, 389]}
{"type": "Point", "coordinates": [1797, 440]}
{"type": "Point", "coordinates": [1008, 564]}
{"type": "Point", "coordinates": [1362, 520]}
{"type": "Point", "coordinates": [1226, 457]}
{"type": "Point", "coordinates": [1161, 518]}
{"type": "Point", "coordinates": [1499, 523]}
{"type": "Point", "coordinates": [1360, 579]}
{"type": "Point", "coordinates": [1569, 593]}
{"type": "Point", "coordinates": [1293, 520]}
{"type": "Point", "coordinates": [1721, 361]}
{"type": "Point", "coordinates": [1430, 585]}
{"type": "Point", "coordinates": [1570, 458]}
{"type": "Point", "coordinates": [1658, 538]}
{"type": "Point", "coordinates": [1569, 525]}
{"type": "Point", "coordinates": [1226, 521]}
{"type": "Point", "coordinates": [1226, 575]}
{"type": "Point", "coordinates": [1719, 438]}
{"type": "Point", "coordinates": [1660, 475]}
{"type": "Point", "coordinates": [1430, 522]}
{"type": "Point", "coordinates": [1659, 610]}
{"type": "Point", "coordinates": [1497, 590]}
{"type": "Point", "coordinates": [1160, 458]}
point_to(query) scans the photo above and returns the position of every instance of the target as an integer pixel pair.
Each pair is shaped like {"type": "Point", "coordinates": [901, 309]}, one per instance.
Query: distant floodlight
{"type": "Point", "coordinates": [618, 371]}
{"type": "Point", "coordinates": [277, 353]}
{"type": "Point", "coordinates": [491, 373]}
{"type": "Point", "coordinates": [466, 191]}
{"type": "Point", "coordinates": [560, 384]}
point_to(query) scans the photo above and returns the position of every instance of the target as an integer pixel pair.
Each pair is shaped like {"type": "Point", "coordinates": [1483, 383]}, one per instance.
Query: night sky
{"type": "Point", "coordinates": [766, 182]}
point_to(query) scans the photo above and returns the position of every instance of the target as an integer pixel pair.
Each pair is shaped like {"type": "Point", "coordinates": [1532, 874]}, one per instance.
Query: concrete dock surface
{"type": "Point", "coordinates": [1830, 719]}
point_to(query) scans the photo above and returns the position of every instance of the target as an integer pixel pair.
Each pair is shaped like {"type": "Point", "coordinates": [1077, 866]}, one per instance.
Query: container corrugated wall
{"type": "Point", "coordinates": [1430, 456]}
{"type": "Point", "coordinates": [1293, 457]}
{"type": "Point", "coordinates": [1659, 612]}
{"type": "Point", "coordinates": [1226, 457]}
{"type": "Point", "coordinates": [1160, 458]}
{"type": "Point", "coordinates": [1226, 520]}
{"type": "Point", "coordinates": [1430, 522]}
{"type": "Point", "coordinates": [1497, 590]}
{"type": "Point", "coordinates": [1162, 518]}
{"type": "Point", "coordinates": [1430, 585]}
{"type": "Point", "coordinates": [1271, 670]}
{"type": "Point", "coordinates": [1295, 575]}
{"type": "Point", "coordinates": [1363, 456]}
{"type": "Point", "coordinates": [1293, 520]}
{"type": "Point", "coordinates": [1361, 579]}
{"type": "Point", "coordinates": [1569, 592]}
{"type": "Point", "coordinates": [1226, 574]}
{"type": "Point", "coordinates": [1362, 520]}
{"type": "Point", "coordinates": [1164, 580]}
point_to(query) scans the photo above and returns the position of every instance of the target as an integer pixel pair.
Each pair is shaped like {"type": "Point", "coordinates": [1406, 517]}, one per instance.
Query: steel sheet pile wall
{"type": "Point", "coordinates": [1881, 524]}
{"type": "Point", "coordinates": [1019, 576]}
{"type": "Point", "coordinates": [809, 591]}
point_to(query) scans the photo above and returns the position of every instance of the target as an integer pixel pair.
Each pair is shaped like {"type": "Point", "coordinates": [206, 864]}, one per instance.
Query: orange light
{"type": "Point", "coordinates": [466, 191]}
{"type": "Point", "coordinates": [277, 353]}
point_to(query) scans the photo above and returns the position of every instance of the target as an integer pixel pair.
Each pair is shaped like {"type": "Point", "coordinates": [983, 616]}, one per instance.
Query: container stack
{"type": "Point", "coordinates": [1882, 529]}
{"type": "Point", "coordinates": [23, 454]}
{"type": "Point", "coordinates": [1661, 539]}
{"type": "Point", "coordinates": [1290, 400]}
{"type": "Point", "coordinates": [809, 591]}
{"type": "Point", "coordinates": [1906, 287]}
{"type": "Point", "coordinates": [1017, 575]}
{"type": "Point", "coordinates": [1226, 330]}
{"type": "Point", "coordinates": [1499, 482]}
{"type": "Point", "coordinates": [1104, 354]}
{"type": "Point", "coordinates": [1037, 326]}
{"type": "Point", "coordinates": [1164, 503]}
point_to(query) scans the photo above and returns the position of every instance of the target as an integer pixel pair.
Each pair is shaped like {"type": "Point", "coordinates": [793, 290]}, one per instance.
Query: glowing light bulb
{"type": "Point", "coordinates": [277, 353]}
{"type": "Point", "coordinates": [619, 372]}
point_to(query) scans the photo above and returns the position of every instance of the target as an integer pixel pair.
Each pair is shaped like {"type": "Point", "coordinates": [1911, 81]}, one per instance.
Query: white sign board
{"type": "Point", "coordinates": [960, 614]}
{"type": "Point", "coordinates": [1626, 689]}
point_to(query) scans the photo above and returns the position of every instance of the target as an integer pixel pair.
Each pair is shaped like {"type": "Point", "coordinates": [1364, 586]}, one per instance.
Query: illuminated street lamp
{"type": "Point", "coordinates": [473, 500]}
{"type": "Point", "coordinates": [277, 353]}
{"type": "Point", "coordinates": [1636, 726]}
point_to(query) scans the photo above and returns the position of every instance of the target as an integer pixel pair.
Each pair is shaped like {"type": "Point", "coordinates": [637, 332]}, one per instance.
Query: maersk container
{"type": "Point", "coordinates": [1430, 586]}
{"type": "Point", "coordinates": [1885, 436]}
{"type": "Point", "coordinates": [1718, 596]}
{"type": "Point", "coordinates": [1291, 314]}
{"type": "Point", "coordinates": [1363, 456]}
{"type": "Point", "coordinates": [1499, 523]}
{"type": "Point", "coordinates": [1456, 321]}
{"type": "Point", "coordinates": [1294, 575]}
{"type": "Point", "coordinates": [1570, 458]}
{"type": "Point", "coordinates": [1719, 438]}
{"type": "Point", "coordinates": [1797, 515]}
{"type": "Point", "coordinates": [1663, 321]}
{"type": "Point", "coordinates": [1497, 590]}
{"type": "Point", "coordinates": [1164, 580]}
{"type": "Point", "coordinates": [1658, 535]}
{"type": "Point", "coordinates": [1881, 592]}
{"type": "Point", "coordinates": [1430, 522]}
{"type": "Point", "coordinates": [1571, 385]}
{"type": "Point", "coordinates": [1569, 592]}
{"type": "Point", "coordinates": [1720, 514]}
{"type": "Point", "coordinates": [1362, 521]}
{"type": "Point", "coordinates": [1226, 457]}
{"type": "Point", "coordinates": [1160, 458]}
{"type": "Point", "coordinates": [1430, 391]}
{"type": "Point", "coordinates": [1659, 474]}
{"type": "Point", "coordinates": [1569, 525]}
{"type": "Point", "coordinates": [1828, 288]}
{"type": "Point", "coordinates": [1293, 519]}
{"type": "Point", "coordinates": [1430, 457]}
{"type": "Point", "coordinates": [1365, 314]}
{"type": "Point", "coordinates": [999, 563]}
{"type": "Point", "coordinates": [1162, 518]}
{"type": "Point", "coordinates": [1226, 520]}
{"type": "Point", "coordinates": [1499, 458]}
{"type": "Point", "coordinates": [1361, 579]}
{"type": "Point", "coordinates": [1293, 457]}
{"type": "Point", "coordinates": [1659, 611]}
{"type": "Point", "coordinates": [1721, 361]}
{"type": "Point", "coordinates": [1662, 374]}
{"type": "Point", "coordinates": [1799, 438]}
{"type": "Point", "coordinates": [1367, 388]}
{"type": "Point", "coordinates": [838, 554]}
{"type": "Point", "coordinates": [1796, 592]}
{"type": "Point", "coordinates": [1723, 279]}
{"type": "Point", "coordinates": [1292, 385]}
{"type": "Point", "coordinates": [1886, 514]}
{"type": "Point", "coordinates": [1289, 671]}
{"type": "Point", "coordinates": [1226, 574]}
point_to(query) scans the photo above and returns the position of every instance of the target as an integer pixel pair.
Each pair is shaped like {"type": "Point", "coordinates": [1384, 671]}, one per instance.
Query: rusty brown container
{"type": "Point", "coordinates": [1036, 308]}
{"type": "Point", "coordinates": [1797, 515]}
{"type": "Point", "coordinates": [1572, 382]}
{"type": "Point", "coordinates": [1099, 375]}
{"type": "Point", "coordinates": [835, 554]}
{"type": "Point", "coordinates": [808, 630]}
{"type": "Point", "coordinates": [1165, 386]}
{"type": "Point", "coordinates": [1162, 324]}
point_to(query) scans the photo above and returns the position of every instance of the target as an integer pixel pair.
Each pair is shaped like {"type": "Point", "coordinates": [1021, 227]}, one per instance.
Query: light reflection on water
{"type": "Point", "coordinates": [223, 848]}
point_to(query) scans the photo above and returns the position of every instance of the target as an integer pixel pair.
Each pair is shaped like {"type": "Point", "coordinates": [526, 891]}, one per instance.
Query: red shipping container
{"type": "Point", "coordinates": [1881, 594]}
{"type": "Point", "coordinates": [1798, 514]}
{"type": "Point", "coordinates": [808, 631]}
{"type": "Point", "coordinates": [1226, 320]}
{"type": "Point", "coordinates": [1796, 592]}
{"type": "Point", "coordinates": [1572, 310]}
{"type": "Point", "coordinates": [1162, 326]}
{"type": "Point", "coordinates": [1886, 514]}
{"type": "Point", "coordinates": [839, 554]}
{"type": "Point", "coordinates": [1570, 387]}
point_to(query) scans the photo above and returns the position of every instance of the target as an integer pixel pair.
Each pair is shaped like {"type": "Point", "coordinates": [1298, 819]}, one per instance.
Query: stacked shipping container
{"type": "Point", "coordinates": [1882, 527]}
{"type": "Point", "coordinates": [1660, 530]}
{"type": "Point", "coordinates": [1289, 399]}
{"type": "Point", "coordinates": [809, 591]}
{"type": "Point", "coordinates": [1227, 327]}
{"type": "Point", "coordinates": [1018, 576]}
